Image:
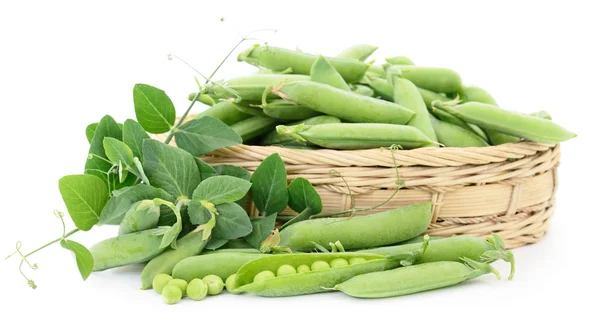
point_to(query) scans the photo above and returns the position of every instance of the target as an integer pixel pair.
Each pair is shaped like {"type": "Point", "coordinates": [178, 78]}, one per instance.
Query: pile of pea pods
{"type": "Point", "coordinates": [304, 101]}
{"type": "Point", "coordinates": [380, 255]}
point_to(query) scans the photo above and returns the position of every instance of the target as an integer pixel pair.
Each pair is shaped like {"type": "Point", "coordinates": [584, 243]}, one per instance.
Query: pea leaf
{"type": "Point", "coordinates": [234, 171]}
{"type": "Point", "coordinates": [85, 196]}
{"type": "Point", "coordinates": [123, 199]}
{"type": "Point", "coordinates": [206, 170]}
{"type": "Point", "coordinates": [303, 195]}
{"type": "Point", "coordinates": [221, 189]}
{"type": "Point", "coordinates": [134, 135]}
{"type": "Point", "coordinates": [232, 222]}
{"type": "Point", "coordinates": [304, 215]}
{"type": "Point", "coordinates": [205, 134]}
{"type": "Point", "coordinates": [269, 185]}
{"type": "Point", "coordinates": [214, 243]}
{"type": "Point", "coordinates": [107, 127]}
{"type": "Point", "coordinates": [261, 229]}
{"type": "Point", "coordinates": [197, 213]}
{"type": "Point", "coordinates": [154, 109]}
{"type": "Point", "coordinates": [117, 151]}
{"type": "Point", "coordinates": [90, 130]}
{"type": "Point", "coordinates": [83, 257]}
{"type": "Point", "coordinates": [170, 168]}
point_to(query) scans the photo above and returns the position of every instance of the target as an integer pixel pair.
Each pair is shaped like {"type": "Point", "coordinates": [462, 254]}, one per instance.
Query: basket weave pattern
{"type": "Point", "coordinates": [507, 189]}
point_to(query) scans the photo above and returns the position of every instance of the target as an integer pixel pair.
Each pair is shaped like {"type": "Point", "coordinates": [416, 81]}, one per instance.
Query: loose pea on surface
{"type": "Point", "coordinates": [197, 289]}
{"type": "Point", "coordinates": [182, 284]}
{"type": "Point", "coordinates": [286, 270]}
{"type": "Point", "coordinates": [230, 284]}
{"type": "Point", "coordinates": [319, 265]}
{"type": "Point", "coordinates": [264, 275]}
{"type": "Point", "coordinates": [338, 262]}
{"type": "Point", "coordinates": [160, 281]}
{"type": "Point", "coordinates": [215, 284]}
{"type": "Point", "coordinates": [356, 260]}
{"type": "Point", "coordinates": [303, 268]}
{"type": "Point", "coordinates": [171, 294]}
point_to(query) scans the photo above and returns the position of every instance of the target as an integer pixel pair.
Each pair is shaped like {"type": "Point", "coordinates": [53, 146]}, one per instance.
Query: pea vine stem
{"type": "Point", "coordinates": [52, 242]}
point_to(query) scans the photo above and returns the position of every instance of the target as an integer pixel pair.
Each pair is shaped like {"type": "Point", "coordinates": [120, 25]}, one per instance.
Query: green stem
{"type": "Point", "coordinates": [52, 242]}
{"type": "Point", "coordinates": [174, 129]}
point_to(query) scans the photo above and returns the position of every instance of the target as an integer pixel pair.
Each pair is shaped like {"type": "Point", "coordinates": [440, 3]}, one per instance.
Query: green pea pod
{"type": "Point", "coordinates": [254, 127]}
{"type": "Point", "coordinates": [353, 136]}
{"type": "Point", "coordinates": [251, 87]}
{"type": "Point", "coordinates": [303, 283]}
{"type": "Point", "coordinates": [128, 249]}
{"type": "Point", "coordinates": [323, 72]}
{"type": "Point", "coordinates": [376, 71]}
{"type": "Point", "coordinates": [226, 112]}
{"type": "Point", "coordinates": [407, 95]}
{"type": "Point", "coordinates": [529, 127]}
{"type": "Point", "coordinates": [362, 90]}
{"type": "Point", "coordinates": [283, 110]}
{"type": "Point", "coordinates": [382, 88]}
{"type": "Point", "coordinates": [274, 138]}
{"type": "Point", "coordinates": [360, 52]}
{"type": "Point", "coordinates": [413, 279]}
{"type": "Point", "coordinates": [399, 60]}
{"type": "Point", "coordinates": [205, 99]}
{"type": "Point", "coordinates": [142, 215]}
{"type": "Point", "coordinates": [357, 232]}
{"type": "Point", "coordinates": [249, 108]}
{"type": "Point", "coordinates": [451, 135]}
{"type": "Point", "coordinates": [453, 249]}
{"type": "Point", "coordinates": [452, 119]}
{"type": "Point", "coordinates": [278, 59]}
{"type": "Point", "coordinates": [221, 263]}
{"type": "Point", "coordinates": [345, 105]}
{"type": "Point", "coordinates": [189, 245]}
{"type": "Point", "coordinates": [477, 94]}
{"type": "Point", "coordinates": [439, 80]}
{"type": "Point", "coordinates": [429, 97]}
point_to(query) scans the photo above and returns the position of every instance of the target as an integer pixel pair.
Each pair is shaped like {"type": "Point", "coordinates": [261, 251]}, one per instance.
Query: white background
{"type": "Point", "coordinates": [66, 64]}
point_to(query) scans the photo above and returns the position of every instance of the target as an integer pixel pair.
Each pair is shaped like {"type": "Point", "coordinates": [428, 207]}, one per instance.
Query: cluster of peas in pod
{"type": "Point", "coordinates": [287, 269]}
{"type": "Point", "coordinates": [174, 289]}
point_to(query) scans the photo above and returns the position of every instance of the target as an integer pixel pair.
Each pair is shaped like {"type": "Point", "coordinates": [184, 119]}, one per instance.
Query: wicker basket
{"type": "Point", "coordinates": [507, 189]}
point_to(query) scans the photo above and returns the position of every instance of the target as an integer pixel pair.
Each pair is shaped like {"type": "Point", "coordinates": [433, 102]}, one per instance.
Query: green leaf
{"type": "Point", "coordinates": [269, 185]}
{"type": "Point", "coordinates": [90, 130]}
{"type": "Point", "coordinates": [232, 222]}
{"type": "Point", "coordinates": [83, 257]}
{"type": "Point", "coordinates": [221, 189]}
{"type": "Point", "coordinates": [261, 229]}
{"type": "Point", "coordinates": [170, 168]}
{"type": "Point", "coordinates": [154, 109]}
{"type": "Point", "coordinates": [234, 171]}
{"type": "Point", "coordinates": [134, 135]}
{"type": "Point", "coordinates": [304, 215]}
{"type": "Point", "coordinates": [205, 134]}
{"type": "Point", "coordinates": [214, 243]}
{"type": "Point", "coordinates": [197, 213]}
{"type": "Point", "coordinates": [107, 127]}
{"type": "Point", "coordinates": [303, 195]}
{"type": "Point", "coordinates": [123, 199]}
{"type": "Point", "coordinates": [85, 197]}
{"type": "Point", "coordinates": [206, 170]}
{"type": "Point", "coordinates": [117, 151]}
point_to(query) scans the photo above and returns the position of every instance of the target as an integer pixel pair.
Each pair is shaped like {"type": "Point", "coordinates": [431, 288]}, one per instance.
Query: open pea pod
{"type": "Point", "coordinates": [315, 281]}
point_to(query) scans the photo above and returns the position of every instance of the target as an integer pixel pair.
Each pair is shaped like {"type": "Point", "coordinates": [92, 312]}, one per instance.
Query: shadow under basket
{"type": "Point", "coordinates": [507, 189]}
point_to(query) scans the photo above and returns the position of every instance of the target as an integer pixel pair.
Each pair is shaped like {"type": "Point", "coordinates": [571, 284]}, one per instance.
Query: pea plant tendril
{"type": "Point", "coordinates": [117, 170]}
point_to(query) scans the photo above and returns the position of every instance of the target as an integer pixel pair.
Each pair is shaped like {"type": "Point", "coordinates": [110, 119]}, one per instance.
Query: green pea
{"type": "Point", "coordinates": [160, 281]}
{"type": "Point", "coordinates": [264, 275]}
{"type": "Point", "coordinates": [171, 294]}
{"type": "Point", "coordinates": [179, 283]}
{"type": "Point", "coordinates": [356, 260]}
{"type": "Point", "coordinates": [230, 284]}
{"type": "Point", "coordinates": [197, 289]}
{"type": "Point", "coordinates": [215, 284]}
{"type": "Point", "coordinates": [319, 265]}
{"type": "Point", "coordinates": [338, 262]}
{"type": "Point", "coordinates": [286, 269]}
{"type": "Point", "coordinates": [303, 268]}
